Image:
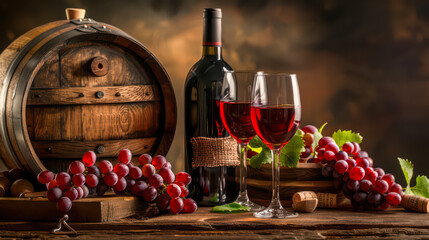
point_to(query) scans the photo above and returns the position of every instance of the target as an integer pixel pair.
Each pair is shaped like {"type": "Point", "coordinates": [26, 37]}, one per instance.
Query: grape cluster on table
{"type": "Point", "coordinates": [152, 180]}
{"type": "Point", "coordinates": [352, 172]}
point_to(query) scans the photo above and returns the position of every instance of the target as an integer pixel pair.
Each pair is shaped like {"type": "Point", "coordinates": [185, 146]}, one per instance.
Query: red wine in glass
{"type": "Point", "coordinates": [275, 125]}
{"type": "Point", "coordinates": [236, 116]}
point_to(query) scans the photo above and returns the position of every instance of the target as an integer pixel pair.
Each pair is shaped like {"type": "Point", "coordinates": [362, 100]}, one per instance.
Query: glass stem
{"type": "Point", "coordinates": [222, 193]}
{"type": "Point", "coordinates": [243, 172]}
{"type": "Point", "coordinates": [275, 202]}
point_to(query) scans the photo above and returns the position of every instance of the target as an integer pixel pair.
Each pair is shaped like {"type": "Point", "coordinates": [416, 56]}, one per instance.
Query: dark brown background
{"type": "Point", "coordinates": [362, 65]}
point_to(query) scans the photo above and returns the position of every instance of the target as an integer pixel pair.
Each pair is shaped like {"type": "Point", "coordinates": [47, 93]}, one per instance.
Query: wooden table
{"type": "Point", "coordinates": [323, 223]}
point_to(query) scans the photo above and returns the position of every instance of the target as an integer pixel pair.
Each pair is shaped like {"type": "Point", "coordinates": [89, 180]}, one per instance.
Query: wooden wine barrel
{"type": "Point", "coordinates": [305, 177]}
{"type": "Point", "coordinates": [77, 85]}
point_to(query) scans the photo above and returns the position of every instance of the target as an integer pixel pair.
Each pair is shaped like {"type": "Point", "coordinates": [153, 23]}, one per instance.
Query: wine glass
{"type": "Point", "coordinates": [276, 115]}
{"type": "Point", "coordinates": [235, 115]}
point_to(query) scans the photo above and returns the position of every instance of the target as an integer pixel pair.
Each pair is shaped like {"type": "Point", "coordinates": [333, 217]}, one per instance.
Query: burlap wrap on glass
{"type": "Point", "coordinates": [214, 152]}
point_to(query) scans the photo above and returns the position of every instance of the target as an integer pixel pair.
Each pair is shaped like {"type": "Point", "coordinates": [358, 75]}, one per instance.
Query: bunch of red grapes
{"type": "Point", "coordinates": [352, 172]}
{"type": "Point", "coordinates": [153, 181]}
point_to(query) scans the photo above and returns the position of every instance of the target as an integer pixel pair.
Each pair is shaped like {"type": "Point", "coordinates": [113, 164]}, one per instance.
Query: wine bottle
{"type": "Point", "coordinates": [212, 182]}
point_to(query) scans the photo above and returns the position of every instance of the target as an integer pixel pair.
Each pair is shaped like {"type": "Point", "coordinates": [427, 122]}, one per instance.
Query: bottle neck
{"type": "Point", "coordinates": [212, 51]}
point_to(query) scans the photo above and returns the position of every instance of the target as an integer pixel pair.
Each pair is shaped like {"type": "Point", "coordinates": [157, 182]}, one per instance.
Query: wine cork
{"type": "Point", "coordinates": [307, 206]}
{"type": "Point", "coordinates": [21, 186]}
{"type": "Point", "coordinates": [75, 13]}
{"type": "Point", "coordinates": [327, 200]}
{"type": "Point", "coordinates": [304, 195]}
{"type": "Point", "coordinates": [4, 185]}
{"type": "Point", "coordinates": [414, 203]}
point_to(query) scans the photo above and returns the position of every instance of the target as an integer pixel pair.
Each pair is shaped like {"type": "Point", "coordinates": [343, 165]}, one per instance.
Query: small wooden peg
{"type": "Point", "coordinates": [75, 13]}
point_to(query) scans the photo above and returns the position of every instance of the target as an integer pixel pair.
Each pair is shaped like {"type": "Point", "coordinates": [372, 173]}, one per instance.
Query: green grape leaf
{"type": "Point", "coordinates": [422, 187]}
{"type": "Point", "coordinates": [407, 169]}
{"type": "Point", "coordinates": [322, 127]}
{"type": "Point", "coordinates": [231, 208]}
{"type": "Point", "coordinates": [289, 155]}
{"type": "Point", "coordinates": [343, 136]}
{"type": "Point", "coordinates": [264, 152]}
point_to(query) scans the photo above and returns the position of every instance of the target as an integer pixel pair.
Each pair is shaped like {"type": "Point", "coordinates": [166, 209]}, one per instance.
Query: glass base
{"type": "Point", "coordinates": [244, 201]}
{"type": "Point", "coordinates": [275, 213]}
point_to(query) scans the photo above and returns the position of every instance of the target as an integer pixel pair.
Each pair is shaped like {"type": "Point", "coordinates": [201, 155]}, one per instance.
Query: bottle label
{"type": "Point", "coordinates": [214, 152]}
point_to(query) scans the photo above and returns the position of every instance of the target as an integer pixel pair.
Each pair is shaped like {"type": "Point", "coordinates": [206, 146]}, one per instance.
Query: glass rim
{"type": "Point", "coordinates": [244, 71]}
{"type": "Point", "coordinates": [278, 74]}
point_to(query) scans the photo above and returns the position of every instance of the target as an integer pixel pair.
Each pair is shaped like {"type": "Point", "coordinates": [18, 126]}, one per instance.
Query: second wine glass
{"type": "Point", "coordinates": [235, 115]}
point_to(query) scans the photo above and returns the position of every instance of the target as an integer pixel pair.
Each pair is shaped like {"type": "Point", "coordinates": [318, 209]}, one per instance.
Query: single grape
{"type": "Point", "coordinates": [362, 162]}
{"type": "Point", "coordinates": [102, 188]}
{"type": "Point", "coordinates": [360, 197]}
{"type": "Point", "coordinates": [176, 205]}
{"type": "Point", "coordinates": [92, 190]}
{"type": "Point", "coordinates": [125, 156]}
{"type": "Point", "coordinates": [184, 177]}
{"type": "Point", "coordinates": [121, 185]}
{"type": "Point", "coordinates": [379, 171]}
{"type": "Point", "coordinates": [45, 177]}
{"type": "Point", "coordinates": [173, 190]}
{"type": "Point", "coordinates": [51, 184]}
{"type": "Point", "coordinates": [356, 147]}
{"type": "Point", "coordinates": [135, 173]}
{"type": "Point", "coordinates": [145, 159]}
{"type": "Point", "coordinates": [365, 185]}
{"type": "Point", "coordinates": [92, 180]}
{"type": "Point", "coordinates": [384, 206]}
{"type": "Point", "coordinates": [351, 164]}
{"type": "Point", "coordinates": [325, 141]}
{"type": "Point", "coordinates": [327, 170]}
{"type": "Point", "coordinates": [158, 161]}
{"type": "Point", "coordinates": [341, 155]}
{"type": "Point", "coordinates": [105, 166]}
{"type": "Point", "coordinates": [357, 173]}
{"type": "Point", "coordinates": [121, 170]}
{"type": "Point", "coordinates": [396, 188]}
{"type": "Point", "coordinates": [374, 199]}
{"type": "Point", "coordinates": [85, 191]}
{"type": "Point", "coordinates": [381, 186]}
{"type": "Point", "coordinates": [328, 155]}
{"type": "Point", "coordinates": [79, 193]}
{"type": "Point", "coordinates": [78, 179]}
{"type": "Point", "coordinates": [372, 176]}
{"type": "Point", "coordinates": [167, 175]}
{"type": "Point", "coordinates": [306, 153]}
{"type": "Point", "coordinates": [77, 167]}
{"type": "Point", "coordinates": [341, 166]}
{"type": "Point", "coordinates": [309, 129]}
{"type": "Point", "coordinates": [184, 190]}
{"type": "Point", "coordinates": [63, 178]}
{"type": "Point", "coordinates": [64, 204]}
{"type": "Point", "coordinates": [130, 184]}
{"type": "Point", "coordinates": [138, 188]}
{"type": "Point", "coordinates": [162, 201]}
{"type": "Point", "coordinates": [89, 158]}
{"type": "Point", "coordinates": [148, 170]}
{"type": "Point", "coordinates": [54, 194]}
{"type": "Point", "coordinates": [308, 139]}
{"type": "Point", "coordinates": [393, 198]}
{"type": "Point", "coordinates": [94, 170]}
{"type": "Point", "coordinates": [72, 194]}
{"type": "Point", "coordinates": [111, 179]}
{"type": "Point", "coordinates": [190, 205]}
{"type": "Point", "coordinates": [348, 147]}
{"type": "Point", "coordinates": [155, 180]}
{"type": "Point", "coordinates": [65, 187]}
{"type": "Point", "coordinates": [389, 178]}
{"type": "Point", "coordinates": [333, 147]}
{"type": "Point", "coordinates": [130, 164]}
{"type": "Point", "coordinates": [312, 160]}
{"type": "Point", "coordinates": [353, 185]}
{"type": "Point", "coordinates": [149, 194]}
